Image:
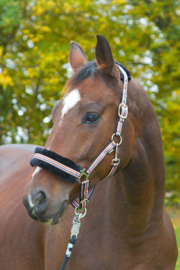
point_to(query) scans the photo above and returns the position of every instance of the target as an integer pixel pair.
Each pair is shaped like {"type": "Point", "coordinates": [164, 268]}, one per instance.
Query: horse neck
{"type": "Point", "coordinates": [136, 194]}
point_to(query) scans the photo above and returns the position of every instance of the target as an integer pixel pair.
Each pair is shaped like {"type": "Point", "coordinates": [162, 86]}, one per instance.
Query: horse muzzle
{"type": "Point", "coordinates": [37, 205]}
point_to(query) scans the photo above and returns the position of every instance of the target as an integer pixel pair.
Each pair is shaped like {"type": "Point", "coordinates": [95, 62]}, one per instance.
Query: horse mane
{"type": "Point", "coordinates": [91, 69]}
{"type": "Point", "coordinates": [88, 70]}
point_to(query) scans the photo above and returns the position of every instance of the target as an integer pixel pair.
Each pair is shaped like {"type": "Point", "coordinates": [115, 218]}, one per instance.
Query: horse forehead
{"type": "Point", "coordinates": [70, 100]}
{"type": "Point", "coordinates": [91, 90]}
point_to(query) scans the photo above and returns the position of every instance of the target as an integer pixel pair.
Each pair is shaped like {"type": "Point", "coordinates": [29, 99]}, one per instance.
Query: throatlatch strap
{"type": "Point", "coordinates": [63, 167]}
{"type": "Point", "coordinates": [112, 171]}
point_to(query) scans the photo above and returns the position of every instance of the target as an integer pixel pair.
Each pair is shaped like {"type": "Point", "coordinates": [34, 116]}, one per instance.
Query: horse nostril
{"type": "Point", "coordinates": [41, 201]}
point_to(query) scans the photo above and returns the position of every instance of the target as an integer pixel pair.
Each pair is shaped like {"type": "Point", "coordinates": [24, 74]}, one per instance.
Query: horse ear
{"type": "Point", "coordinates": [104, 56]}
{"type": "Point", "coordinates": [77, 56]}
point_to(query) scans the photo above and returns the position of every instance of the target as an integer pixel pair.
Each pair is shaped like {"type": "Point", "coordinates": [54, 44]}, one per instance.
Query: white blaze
{"type": "Point", "coordinates": [36, 171]}
{"type": "Point", "coordinates": [69, 101]}
{"type": "Point", "coordinates": [30, 201]}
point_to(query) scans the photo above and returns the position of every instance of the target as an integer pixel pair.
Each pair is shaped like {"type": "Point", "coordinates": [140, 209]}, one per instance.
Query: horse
{"type": "Point", "coordinates": [126, 226]}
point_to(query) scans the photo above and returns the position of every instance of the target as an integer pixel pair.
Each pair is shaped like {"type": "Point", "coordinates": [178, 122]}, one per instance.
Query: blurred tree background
{"type": "Point", "coordinates": [34, 46]}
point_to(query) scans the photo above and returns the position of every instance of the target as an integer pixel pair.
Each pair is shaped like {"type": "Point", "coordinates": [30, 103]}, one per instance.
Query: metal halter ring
{"type": "Point", "coordinates": [79, 214]}
{"type": "Point", "coordinates": [83, 173]}
{"type": "Point", "coordinates": [120, 138]}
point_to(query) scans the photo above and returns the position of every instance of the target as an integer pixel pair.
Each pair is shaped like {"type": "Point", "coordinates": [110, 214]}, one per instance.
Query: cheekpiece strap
{"type": "Point", "coordinates": [100, 157]}
{"type": "Point", "coordinates": [112, 171]}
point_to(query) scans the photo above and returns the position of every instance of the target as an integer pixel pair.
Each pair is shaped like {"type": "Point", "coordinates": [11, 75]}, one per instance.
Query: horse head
{"type": "Point", "coordinates": [84, 121]}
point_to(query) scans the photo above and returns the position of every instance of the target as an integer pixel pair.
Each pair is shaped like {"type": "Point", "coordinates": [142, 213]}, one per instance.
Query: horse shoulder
{"type": "Point", "coordinates": [17, 227]}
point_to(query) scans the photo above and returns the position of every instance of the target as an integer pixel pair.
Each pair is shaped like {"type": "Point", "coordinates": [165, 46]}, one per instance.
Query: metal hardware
{"type": "Point", "coordinates": [85, 201]}
{"type": "Point", "coordinates": [68, 250]}
{"type": "Point", "coordinates": [111, 151]}
{"type": "Point", "coordinates": [120, 138]}
{"type": "Point", "coordinates": [77, 222]}
{"type": "Point", "coordinates": [116, 159]}
{"type": "Point", "coordinates": [80, 215]}
{"type": "Point", "coordinates": [83, 173]}
{"type": "Point", "coordinates": [76, 226]}
{"type": "Point", "coordinates": [120, 108]}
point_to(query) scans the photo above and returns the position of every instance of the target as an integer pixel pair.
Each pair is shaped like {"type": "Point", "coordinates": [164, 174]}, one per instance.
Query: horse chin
{"type": "Point", "coordinates": [56, 217]}
{"type": "Point", "coordinates": [48, 219]}
{"type": "Point", "coordinates": [59, 216]}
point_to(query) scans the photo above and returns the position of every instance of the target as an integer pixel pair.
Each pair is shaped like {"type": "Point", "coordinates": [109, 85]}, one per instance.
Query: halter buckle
{"type": "Point", "coordinates": [115, 161]}
{"type": "Point", "coordinates": [121, 106]}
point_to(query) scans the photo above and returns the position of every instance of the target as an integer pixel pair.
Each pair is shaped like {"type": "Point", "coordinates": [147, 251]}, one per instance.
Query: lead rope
{"type": "Point", "coordinates": [84, 197]}
{"type": "Point", "coordinates": [74, 234]}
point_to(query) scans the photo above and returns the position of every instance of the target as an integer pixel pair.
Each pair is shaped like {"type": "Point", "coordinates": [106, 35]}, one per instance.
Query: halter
{"type": "Point", "coordinates": [72, 172]}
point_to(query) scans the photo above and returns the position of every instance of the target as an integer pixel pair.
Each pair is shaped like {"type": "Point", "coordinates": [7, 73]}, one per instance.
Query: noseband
{"type": "Point", "coordinates": [73, 173]}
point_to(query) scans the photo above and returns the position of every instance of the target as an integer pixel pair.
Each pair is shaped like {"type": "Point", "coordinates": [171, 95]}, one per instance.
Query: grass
{"type": "Point", "coordinates": [175, 217]}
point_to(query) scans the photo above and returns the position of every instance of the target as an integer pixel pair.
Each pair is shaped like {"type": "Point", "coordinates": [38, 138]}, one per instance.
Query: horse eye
{"type": "Point", "coordinates": [90, 118]}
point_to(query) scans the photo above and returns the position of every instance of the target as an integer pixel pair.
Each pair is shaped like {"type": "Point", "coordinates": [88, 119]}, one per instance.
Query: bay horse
{"type": "Point", "coordinates": [126, 226]}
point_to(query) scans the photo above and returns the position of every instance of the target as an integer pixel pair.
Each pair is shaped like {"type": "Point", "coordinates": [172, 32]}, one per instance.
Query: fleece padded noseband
{"type": "Point", "coordinates": [54, 163]}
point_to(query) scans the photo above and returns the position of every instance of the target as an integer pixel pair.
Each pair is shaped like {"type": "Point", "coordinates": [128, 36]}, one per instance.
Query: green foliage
{"type": "Point", "coordinates": [34, 45]}
{"type": "Point", "coordinates": [172, 199]}
{"type": "Point", "coordinates": [177, 231]}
